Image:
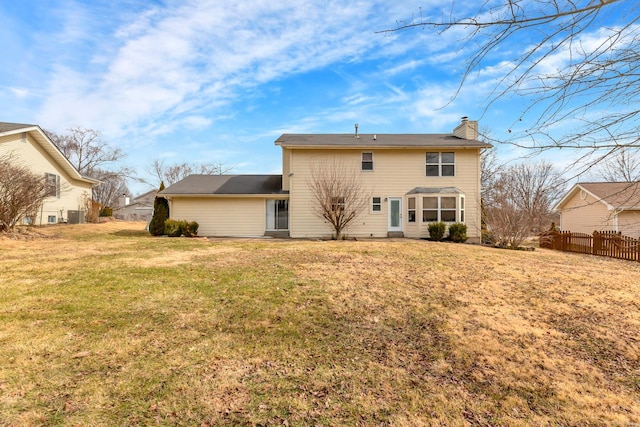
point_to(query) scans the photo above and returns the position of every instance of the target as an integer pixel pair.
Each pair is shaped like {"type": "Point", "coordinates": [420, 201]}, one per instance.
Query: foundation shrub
{"type": "Point", "coordinates": [437, 230]}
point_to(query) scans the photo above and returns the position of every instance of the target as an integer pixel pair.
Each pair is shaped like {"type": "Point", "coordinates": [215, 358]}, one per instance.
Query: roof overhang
{"type": "Point", "coordinates": [226, 196]}
{"type": "Point", "coordinates": [52, 150]}
{"type": "Point", "coordinates": [577, 187]}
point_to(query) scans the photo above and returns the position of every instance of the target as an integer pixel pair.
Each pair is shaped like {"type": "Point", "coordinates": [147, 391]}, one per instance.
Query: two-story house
{"type": "Point", "coordinates": [67, 190]}
{"type": "Point", "coordinates": [410, 181]}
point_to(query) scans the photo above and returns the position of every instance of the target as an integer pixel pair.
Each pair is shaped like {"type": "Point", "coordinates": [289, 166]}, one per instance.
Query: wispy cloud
{"type": "Point", "coordinates": [199, 55]}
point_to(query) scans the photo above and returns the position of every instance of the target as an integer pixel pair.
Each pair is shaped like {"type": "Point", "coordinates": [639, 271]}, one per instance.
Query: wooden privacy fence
{"type": "Point", "coordinates": [605, 243]}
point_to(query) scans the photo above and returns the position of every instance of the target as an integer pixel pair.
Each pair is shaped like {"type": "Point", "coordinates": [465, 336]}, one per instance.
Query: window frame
{"type": "Point", "coordinates": [458, 209]}
{"type": "Point", "coordinates": [338, 204]}
{"type": "Point", "coordinates": [51, 219]}
{"type": "Point", "coordinates": [411, 210]}
{"type": "Point", "coordinates": [440, 165]}
{"type": "Point", "coordinates": [364, 162]}
{"type": "Point", "coordinates": [51, 185]}
{"type": "Point", "coordinates": [374, 204]}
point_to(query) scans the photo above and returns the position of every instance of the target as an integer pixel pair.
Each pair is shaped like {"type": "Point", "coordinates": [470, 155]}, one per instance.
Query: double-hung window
{"type": "Point", "coordinates": [440, 164]}
{"type": "Point", "coordinates": [376, 204]}
{"type": "Point", "coordinates": [337, 204]}
{"type": "Point", "coordinates": [411, 209]}
{"type": "Point", "coordinates": [367, 161]}
{"type": "Point", "coordinates": [52, 185]}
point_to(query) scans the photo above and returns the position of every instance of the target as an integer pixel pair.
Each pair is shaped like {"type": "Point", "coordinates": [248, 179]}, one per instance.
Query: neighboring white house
{"type": "Point", "coordinates": [411, 179]}
{"type": "Point", "coordinates": [68, 190]}
{"type": "Point", "coordinates": [601, 206]}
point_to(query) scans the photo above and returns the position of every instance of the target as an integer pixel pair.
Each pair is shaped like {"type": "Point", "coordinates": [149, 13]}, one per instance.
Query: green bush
{"type": "Point", "coordinates": [436, 230]}
{"type": "Point", "coordinates": [173, 228]}
{"type": "Point", "coordinates": [160, 215]}
{"type": "Point", "coordinates": [106, 211]}
{"type": "Point", "coordinates": [458, 232]}
{"type": "Point", "coordinates": [192, 229]}
{"type": "Point", "coordinates": [177, 228]}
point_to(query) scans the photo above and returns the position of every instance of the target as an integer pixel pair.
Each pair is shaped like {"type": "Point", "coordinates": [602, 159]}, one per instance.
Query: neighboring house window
{"type": "Point", "coordinates": [51, 219]}
{"type": "Point", "coordinates": [52, 185]}
{"type": "Point", "coordinates": [436, 209]}
{"type": "Point", "coordinates": [337, 204]}
{"type": "Point", "coordinates": [440, 164]}
{"type": "Point", "coordinates": [367, 161]}
{"type": "Point", "coordinates": [411, 209]}
{"type": "Point", "coordinates": [376, 204]}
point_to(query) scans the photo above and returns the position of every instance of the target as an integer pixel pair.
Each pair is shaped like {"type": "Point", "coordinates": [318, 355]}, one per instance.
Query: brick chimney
{"type": "Point", "coordinates": [467, 129]}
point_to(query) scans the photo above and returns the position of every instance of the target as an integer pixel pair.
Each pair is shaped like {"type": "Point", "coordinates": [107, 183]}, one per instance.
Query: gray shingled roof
{"type": "Point", "coordinates": [226, 185]}
{"type": "Point", "coordinates": [8, 127]}
{"type": "Point", "coordinates": [443, 190]}
{"type": "Point", "coordinates": [381, 141]}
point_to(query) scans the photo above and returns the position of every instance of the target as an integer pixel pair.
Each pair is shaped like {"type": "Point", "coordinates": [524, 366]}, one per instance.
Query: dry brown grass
{"type": "Point", "coordinates": [105, 325]}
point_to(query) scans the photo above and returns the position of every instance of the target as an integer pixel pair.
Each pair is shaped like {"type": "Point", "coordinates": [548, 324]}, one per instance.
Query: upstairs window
{"type": "Point", "coordinates": [367, 161]}
{"type": "Point", "coordinates": [51, 185]}
{"type": "Point", "coordinates": [440, 164]}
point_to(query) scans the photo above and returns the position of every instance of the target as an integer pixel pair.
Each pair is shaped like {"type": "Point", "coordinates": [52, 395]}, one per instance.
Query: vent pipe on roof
{"type": "Point", "coordinates": [357, 131]}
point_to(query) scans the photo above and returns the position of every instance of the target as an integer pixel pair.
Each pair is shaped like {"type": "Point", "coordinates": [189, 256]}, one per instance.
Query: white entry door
{"type": "Point", "coordinates": [395, 213]}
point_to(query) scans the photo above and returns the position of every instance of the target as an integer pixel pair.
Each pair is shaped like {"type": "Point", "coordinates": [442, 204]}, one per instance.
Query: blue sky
{"type": "Point", "coordinates": [216, 81]}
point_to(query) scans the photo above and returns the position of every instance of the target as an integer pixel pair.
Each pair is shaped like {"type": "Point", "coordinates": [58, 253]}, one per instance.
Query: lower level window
{"type": "Point", "coordinates": [51, 219]}
{"type": "Point", "coordinates": [411, 209]}
{"type": "Point", "coordinates": [376, 204]}
{"type": "Point", "coordinates": [438, 208]}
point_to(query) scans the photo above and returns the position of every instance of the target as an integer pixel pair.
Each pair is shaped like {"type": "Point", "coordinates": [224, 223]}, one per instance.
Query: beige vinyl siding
{"type": "Point", "coordinates": [629, 223]}
{"type": "Point", "coordinates": [222, 216]}
{"type": "Point", "coordinates": [585, 215]}
{"type": "Point", "coordinates": [286, 156]}
{"type": "Point", "coordinates": [396, 172]}
{"type": "Point", "coordinates": [73, 193]}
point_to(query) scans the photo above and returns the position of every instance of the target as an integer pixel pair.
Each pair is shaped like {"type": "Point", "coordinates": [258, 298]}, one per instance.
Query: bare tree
{"type": "Point", "coordinates": [622, 166]}
{"type": "Point", "coordinates": [521, 200]}
{"type": "Point", "coordinates": [94, 157]}
{"type": "Point", "coordinates": [21, 193]}
{"type": "Point", "coordinates": [172, 173]}
{"type": "Point", "coordinates": [490, 169]}
{"type": "Point", "coordinates": [338, 194]}
{"type": "Point", "coordinates": [112, 186]}
{"type": "Point", "coordinates": [577, 61]}
{"type": "Point", "coordinates": [86, 150]}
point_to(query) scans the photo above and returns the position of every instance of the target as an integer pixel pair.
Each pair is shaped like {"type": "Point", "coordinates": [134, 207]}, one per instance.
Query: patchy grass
{"type": "Point", "coordinates": [106, 325]}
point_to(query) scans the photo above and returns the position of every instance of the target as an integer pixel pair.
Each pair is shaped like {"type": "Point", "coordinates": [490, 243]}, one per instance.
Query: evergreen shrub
{"type": "Point", "coordinates": [458, 232]}
{"type": "Point", "coordinates": [437, 230]}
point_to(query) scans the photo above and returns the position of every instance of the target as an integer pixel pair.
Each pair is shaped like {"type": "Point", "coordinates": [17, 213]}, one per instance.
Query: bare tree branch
{"type": "Point", "coordinates": [578, 70]}
{"type": "Point", "coordinates": [520, 201]}
{"type": "Point", "coordinates": [22, 192]}
{"type": "Point", "coordinates": [171, 173]}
